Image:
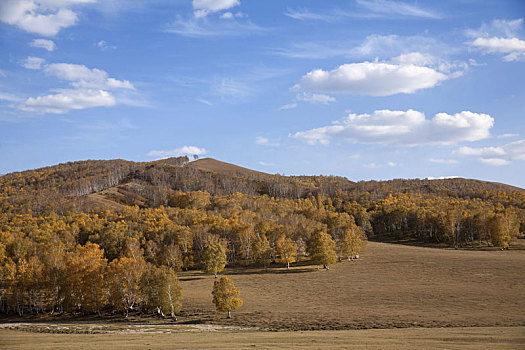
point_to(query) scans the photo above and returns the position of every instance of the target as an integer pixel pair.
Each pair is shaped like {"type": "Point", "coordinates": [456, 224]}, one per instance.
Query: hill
{"type": "Point", "coordinates": [119, 182]}
{"type": "Point", "coordinates": [223, 168]}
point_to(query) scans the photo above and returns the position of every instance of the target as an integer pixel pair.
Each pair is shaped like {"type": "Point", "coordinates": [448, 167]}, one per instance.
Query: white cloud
{"type": "Point", "coordinates": [68, 99]}
{"type": "Point", "coordinates": [288, 106]}
{"type": "Point", "coordinates": [9, 97]}
{"type": "Point", "coordinates": [496, 156]}
{"type": "Point", "coordinates": [49, 45]}
{"type": "Point", "coordinates": [375, 46]}
{"type": "Point", "coordinates": [204, 7]}
{"type": "Point", "coordinates": [478, 152]}
{"type": "Point", "coordinates": [267, 163]}
{"type": "Point", "coordinates": [371, 78]}
{"type": "Point", "coordinates": [371, 165]}
{"type": "Point", "coordinates": [442, 161]}
{"type": "Point", "coordinates": [203, 101]}
{"type": "Point", "coordinates": [499, 37]}
{"type": "Point", "coordinates": [513, 48]}
{"type": "Point", "coordinates": [89, 91]}
{"type": "Point", "coordinates": [103, 45]}
{"type": "Point", "coordinates": [392, 164]}
{"type": "Point", "coordinates": [263, 141]}
{"type": "Point", "coordinates": [403, 128]}
{"type": "Point", "coordinates": [372, 9]}
{"type": "Point", "coordinates": [305, 15]}
{"type": "Point", "coordinates": [44, 17]}
{"type": "Point", "coordinates": [33, 62]}
{"type": "Point", "coordinates": [393, 8]}
{"type": "Point", "coordinates": [498, 28]}
{"type": "Point", "coordinates": [442, 177]}
{"type": "Point", "coordinates": [314, 98]}
{"type": "Point", "coordinates": [494, 161]}
{"type": "Point", "coordinates": [84, 77]}
{"type": "Point", "coordinates": [196, 28]}
{"type": "Point", "coordinates": [184, 150]}
{"type": "Point", "coordinates": [503, 136]}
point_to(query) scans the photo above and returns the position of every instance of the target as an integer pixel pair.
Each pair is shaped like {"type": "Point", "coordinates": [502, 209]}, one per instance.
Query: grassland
{"type": "Point", "coordinates": [428, 293]}
{"type": "Point", "coordinates": [390, 286]}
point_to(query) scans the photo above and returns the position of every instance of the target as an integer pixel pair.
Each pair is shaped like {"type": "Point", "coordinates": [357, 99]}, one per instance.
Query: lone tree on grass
{"type": "Point", "coordinates": [214, 256]}
{"type": "Point", "coordinates": [226, 296]}
{"type": "Point", "coordinates": [322, 249]}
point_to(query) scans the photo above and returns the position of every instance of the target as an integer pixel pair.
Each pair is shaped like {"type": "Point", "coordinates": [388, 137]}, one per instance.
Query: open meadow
{"type": "Point", "coordinates": [428, 293]}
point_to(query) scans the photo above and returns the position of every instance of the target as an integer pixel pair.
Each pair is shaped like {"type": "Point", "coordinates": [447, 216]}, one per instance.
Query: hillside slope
{"type": "Point", "coordinates": [86, 185]}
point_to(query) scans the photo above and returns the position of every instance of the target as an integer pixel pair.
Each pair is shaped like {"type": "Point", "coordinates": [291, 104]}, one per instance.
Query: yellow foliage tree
{"type": "Point", "coordinates": [322, 249]}
{"type": "Point", "coordinates": [286, 249]}
{"type": "Point", "coordinates": [214, 255]}
{"type": "Point", "coordinates": [226, 295]}
{"type": "Point", "coordinates": [261, 251]}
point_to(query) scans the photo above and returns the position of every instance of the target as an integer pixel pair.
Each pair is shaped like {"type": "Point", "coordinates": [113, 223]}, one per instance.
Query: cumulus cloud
{"type": "Point", "coordinates": [44, 17]}
{"type": "Point", "coordinates": [48, 45]}
{"type": "Point", "coordinates": [403, 128]}
{"type": "Point", "coordinates": [90, 88]}
{"type": "Point", "coordinates": [512, 48]}
{"type": "Point", "coordinates": [68, 99]}
{"type": "Point", "coordinates": [495, 156]}
{"type": "Point", "coordinates": [204, 7]}
{"type": "Point", "coordinates": [81, 76]}
{"type": "Point", "coordinates": [372, 78]}
{"type": "Point", "coordinates": [499, 37]}
{"type": "Point", "coordinates": [33, 62]}
{"type": "Point", "coordinates": [184, 150]}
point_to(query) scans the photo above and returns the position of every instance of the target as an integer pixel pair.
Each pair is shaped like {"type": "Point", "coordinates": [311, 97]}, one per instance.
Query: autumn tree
{"type": "Point", "coordinates": [214, 255]}
{"type": "Point", "coordinates": [286, 250]}
{"type": "Point", "coordinates": [124, 276]}
{"type": "Point", "coordinates": [161, 290]}
{"type": "Point", "coordinates": [262, 251]}
{"type": "Point", "coordinates": [322, 249]}
{"type": "Point", "coordinates": [84, 281]}
{"type": "Point", "coordinates": [351, 241]}
{"type": "Point", "coordinates": [226, 295]}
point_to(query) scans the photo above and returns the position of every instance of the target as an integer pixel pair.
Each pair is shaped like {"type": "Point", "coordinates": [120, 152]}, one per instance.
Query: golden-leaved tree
{"type": "Point", "coordinates": [262, 251]}
{"type": "Point", "coordinates": [161, 290]}
{"type": "Point", "coordinates": [226, 295]}
{"type": "Point", "coordinates": [322, 249]}
{"type": "Point", "coordinates": [286, 249]}
{"type": "Point", "coordinates": [214, 255]}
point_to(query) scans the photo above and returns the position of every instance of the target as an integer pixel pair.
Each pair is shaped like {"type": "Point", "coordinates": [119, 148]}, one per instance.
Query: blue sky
{"type": "Point", "coordinates": [367, 89]}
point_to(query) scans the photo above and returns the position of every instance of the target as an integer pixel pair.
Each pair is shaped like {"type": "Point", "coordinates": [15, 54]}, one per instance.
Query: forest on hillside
{"type": "Point", "coordinates": [106, 236]}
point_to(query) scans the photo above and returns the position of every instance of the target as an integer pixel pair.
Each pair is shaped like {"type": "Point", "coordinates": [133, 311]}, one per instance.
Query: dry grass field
{"type": "Point", "coordinates": [407, 338]}
{"type": "Point", "coordinates": [390, 286]}
{"type": "Point", "coordinates": [424, 291]}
